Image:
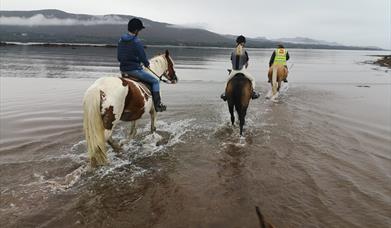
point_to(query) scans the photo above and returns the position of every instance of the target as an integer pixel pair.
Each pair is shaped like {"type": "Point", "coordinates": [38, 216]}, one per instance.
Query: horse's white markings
{"type": "Point", "coordinates": [107, 134]}
{"type": "Point", "coordinates": [115, 94]}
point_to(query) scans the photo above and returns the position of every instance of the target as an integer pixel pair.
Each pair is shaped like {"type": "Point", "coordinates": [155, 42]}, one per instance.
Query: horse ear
{"type": "Point", "coordinates": [167, 54]}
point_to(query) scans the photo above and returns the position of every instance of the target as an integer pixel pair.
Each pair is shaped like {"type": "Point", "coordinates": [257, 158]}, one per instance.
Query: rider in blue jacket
{"type": "Point", "coordinates": [131, 54]}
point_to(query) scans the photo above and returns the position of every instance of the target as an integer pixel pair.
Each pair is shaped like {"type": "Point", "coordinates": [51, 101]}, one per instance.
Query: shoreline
{"type": "Point", "coordinates": [60, 44]}
{"type": "Point", "coordinates": [384, 61]}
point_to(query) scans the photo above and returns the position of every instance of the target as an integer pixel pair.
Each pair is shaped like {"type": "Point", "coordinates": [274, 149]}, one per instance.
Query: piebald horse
{"type": "Point", "coordinates": [111, 99]}
{"type": "Point", "coordinates": [239, 91]}
{"type": "Point", "coordinates": [277, 73]}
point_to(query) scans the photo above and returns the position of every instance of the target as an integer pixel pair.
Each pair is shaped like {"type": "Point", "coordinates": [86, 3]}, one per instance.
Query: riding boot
{"type": "Point", "coordinates": [223, 96]}
{"type": "Point", "coordinates": [255, 95]}
{"type": "Point", "coordinates": [285, 80]}
{"type": "Point", "coordinates": [159, 107]}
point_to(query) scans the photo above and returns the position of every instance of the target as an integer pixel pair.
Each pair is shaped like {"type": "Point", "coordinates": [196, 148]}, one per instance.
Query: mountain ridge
{"type": "Point", "coordinates": [48, 26]}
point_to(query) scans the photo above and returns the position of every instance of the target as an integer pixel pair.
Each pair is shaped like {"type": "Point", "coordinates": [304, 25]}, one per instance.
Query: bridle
{"type": "Point", "coordinates": [161, 76]}
{"type": "Point", "coordinates": [165, 74]}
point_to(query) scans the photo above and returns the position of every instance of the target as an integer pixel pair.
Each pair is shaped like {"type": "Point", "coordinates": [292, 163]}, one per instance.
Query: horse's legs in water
{"type": "Point", "coordinates": [109, 123]}
{"type": "Point", "coordinates": [231, 111]}
{"type": "Point", "coordinates": [133, 129]}
{"type": "Point", "coordinates": [274, 80]}
{"type": "Point", "coordinates": [115, 145]}
{"type": "Point", "coordinates": [153, 120]}
{"type": "Point", "coordinates": [242, 116]}
{"type": "Point", "coordinates": [279, 85]}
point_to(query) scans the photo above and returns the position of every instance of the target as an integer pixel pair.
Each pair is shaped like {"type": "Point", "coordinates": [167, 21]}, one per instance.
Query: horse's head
{"type": "Point", "coordinates": [169, 72]}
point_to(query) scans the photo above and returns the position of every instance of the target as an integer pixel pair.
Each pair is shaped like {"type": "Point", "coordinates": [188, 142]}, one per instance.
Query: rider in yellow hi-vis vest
{"type": "Point", "coordinates": [279, 56]}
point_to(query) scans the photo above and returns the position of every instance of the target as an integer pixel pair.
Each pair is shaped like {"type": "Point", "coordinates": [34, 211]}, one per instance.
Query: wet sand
{"type": "Point", "coordinates": [320, 157]}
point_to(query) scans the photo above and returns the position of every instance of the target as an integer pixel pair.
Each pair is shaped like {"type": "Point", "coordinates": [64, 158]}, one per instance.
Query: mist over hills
{"type": "Point", "coordinates": [55, 26]}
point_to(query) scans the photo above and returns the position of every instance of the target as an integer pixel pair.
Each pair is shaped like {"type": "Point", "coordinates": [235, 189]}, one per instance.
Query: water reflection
{"type": "Point", "coordinates": [205, 64]}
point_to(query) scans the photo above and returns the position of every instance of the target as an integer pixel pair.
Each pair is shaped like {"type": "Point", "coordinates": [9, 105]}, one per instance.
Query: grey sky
{"type": "Point", "coordinates": [350, 22]}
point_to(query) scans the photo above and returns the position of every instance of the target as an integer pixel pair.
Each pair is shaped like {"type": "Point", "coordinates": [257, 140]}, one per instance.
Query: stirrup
{"type": "Point", "coordinates": [160, 108]}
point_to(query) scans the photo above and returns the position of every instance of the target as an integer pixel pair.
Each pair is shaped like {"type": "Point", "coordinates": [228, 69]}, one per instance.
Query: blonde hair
{"type": "Point", "coordinates": [239, 49]}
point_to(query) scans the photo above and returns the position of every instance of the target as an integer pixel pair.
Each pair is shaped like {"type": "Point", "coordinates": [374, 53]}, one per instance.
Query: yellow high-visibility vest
{"type": "Point", "coordinates": [280, 57]}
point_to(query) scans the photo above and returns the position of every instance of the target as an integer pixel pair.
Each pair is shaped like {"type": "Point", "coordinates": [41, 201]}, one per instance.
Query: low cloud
{"type": "Point", "coordinates": [190, 26]}
{"type": "Point", "coordinates": [41, 20]}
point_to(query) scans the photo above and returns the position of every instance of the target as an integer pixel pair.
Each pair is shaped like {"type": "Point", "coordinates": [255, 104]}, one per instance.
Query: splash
{"type": "Point", "coordinates": [142, 146]}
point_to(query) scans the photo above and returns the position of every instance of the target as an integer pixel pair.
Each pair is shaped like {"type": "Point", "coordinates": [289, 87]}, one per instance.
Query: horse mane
{"type": "Point", "coordinates": [163, 58]}
{"type": "Point", "coordinates": [157, 55]}
{"type": "Point", "coordinates": [160, 60]}
{"type": "Point", "coordinates": [161, 55]}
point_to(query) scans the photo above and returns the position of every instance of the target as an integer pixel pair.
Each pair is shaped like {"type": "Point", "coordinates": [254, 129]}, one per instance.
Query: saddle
{"type": "Point", "coordinates": [146, 87]}
{"type": "Point", "coordinates": [129, 80]}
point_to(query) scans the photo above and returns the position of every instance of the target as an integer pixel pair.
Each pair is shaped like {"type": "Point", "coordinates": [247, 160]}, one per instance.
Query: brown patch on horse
{"type": "Point", "coordinates": [134, 102]}
{"type": "Point", "coordinates": [170, 64]}
{"type": "Point", "coordinates": [108, 117]}
{"type": "Point", "coordinates": [124, 82]}
{"type": "Point", "coordinates": [145, 87]}
{"type": "Point", "coordinates": [282, 72]}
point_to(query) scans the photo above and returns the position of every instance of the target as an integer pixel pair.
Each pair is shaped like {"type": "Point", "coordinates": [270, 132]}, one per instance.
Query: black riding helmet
{"type": "Point", "coordinates": [241, 39]}
{"type": "Point", "coordinates": [135, 24]}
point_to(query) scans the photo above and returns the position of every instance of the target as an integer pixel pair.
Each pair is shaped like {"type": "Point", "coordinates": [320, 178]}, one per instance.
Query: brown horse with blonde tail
{"type": "Point", "coordinates": [277, 74]}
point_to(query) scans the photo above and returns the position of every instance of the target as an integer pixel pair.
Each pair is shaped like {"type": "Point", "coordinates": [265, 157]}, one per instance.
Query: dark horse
{"type": "Point", "coordinates": [238, 92]}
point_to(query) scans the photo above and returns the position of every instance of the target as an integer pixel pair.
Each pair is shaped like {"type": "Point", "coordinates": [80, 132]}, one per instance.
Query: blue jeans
{"type": "Point", "coordinates": [146, 77]}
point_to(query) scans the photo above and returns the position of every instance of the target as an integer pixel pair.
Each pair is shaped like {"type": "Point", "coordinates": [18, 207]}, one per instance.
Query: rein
{"type": "Point", "coordinates": [160, 77]}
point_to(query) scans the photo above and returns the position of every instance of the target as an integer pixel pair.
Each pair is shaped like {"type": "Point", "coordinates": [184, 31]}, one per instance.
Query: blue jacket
{"type": "Point", "coordinates": [130, 53]}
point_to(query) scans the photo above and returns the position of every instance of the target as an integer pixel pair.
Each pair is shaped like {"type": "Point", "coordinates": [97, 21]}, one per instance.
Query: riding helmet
{"type": "Point", "coordinates": [241, 39]}
{"type": "Point", "coordinates": [135, 24]}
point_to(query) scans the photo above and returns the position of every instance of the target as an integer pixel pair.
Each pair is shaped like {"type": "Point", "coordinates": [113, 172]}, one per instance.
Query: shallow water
{"type": "Point", "coordinates": [319, 157]}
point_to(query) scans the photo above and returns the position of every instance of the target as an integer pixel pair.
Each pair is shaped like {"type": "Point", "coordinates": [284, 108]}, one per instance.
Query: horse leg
{"type": "Point", "coordinates": [153, 120]}
{"type": "Point", "coordinates": [242, 116]}
{"type": "Point", "coordinates": [241, 127]}
{"type": "Point", "coordinates": [114, 144]}
{"type": "Point", "coordinates": [109, 122]}
{"type": "Point", "coordinates": [133, 129]}
{"type": "Point", "coordinates": [279, 85]}
{"type": "Point", "coordinates": [274, 80]}
{"type": "Point", "coordinates": [231, 111]}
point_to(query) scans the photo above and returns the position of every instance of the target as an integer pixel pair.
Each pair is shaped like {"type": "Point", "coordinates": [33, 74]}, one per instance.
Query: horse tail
{"type": "Point", "coordinates": [237, 95]}
{"type": "Point", "coordinates": [240, 100]}
{"type": "Point", "coordinates": [93, 126]}
{"type": "Point", "coordinates": [274, 79]}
